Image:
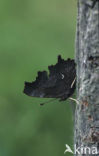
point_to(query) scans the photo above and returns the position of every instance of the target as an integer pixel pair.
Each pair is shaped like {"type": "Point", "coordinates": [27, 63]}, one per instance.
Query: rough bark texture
{"type": "Point", "coordinates": [87, 59]}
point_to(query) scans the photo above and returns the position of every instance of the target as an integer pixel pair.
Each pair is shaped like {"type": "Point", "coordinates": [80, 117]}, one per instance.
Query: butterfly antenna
{"type": "Point", "coordinates": [41, 104]}
{"type": "Point", "coordinates": [73, 82]}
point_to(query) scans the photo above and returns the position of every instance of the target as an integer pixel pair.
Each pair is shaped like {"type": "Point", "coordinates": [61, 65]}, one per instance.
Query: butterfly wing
{"type": "Point", "coordinates": [55, 85]}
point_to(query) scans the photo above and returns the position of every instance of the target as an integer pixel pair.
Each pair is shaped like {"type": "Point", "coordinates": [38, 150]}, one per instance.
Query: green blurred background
{"type": "Point", "coordinates": [32, 34]}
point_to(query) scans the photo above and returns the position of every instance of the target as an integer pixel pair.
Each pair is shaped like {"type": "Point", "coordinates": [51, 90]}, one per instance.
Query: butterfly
{"type": "Point", "coordinates": [60, 83]}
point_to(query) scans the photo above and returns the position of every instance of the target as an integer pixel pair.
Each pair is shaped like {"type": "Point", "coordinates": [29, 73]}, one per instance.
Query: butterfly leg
{"type": "Point", "coordinates": [77, 102]}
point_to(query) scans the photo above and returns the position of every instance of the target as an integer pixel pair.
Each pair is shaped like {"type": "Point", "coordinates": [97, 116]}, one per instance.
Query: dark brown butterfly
{"type": "Point", "coordinates": [60, 83]}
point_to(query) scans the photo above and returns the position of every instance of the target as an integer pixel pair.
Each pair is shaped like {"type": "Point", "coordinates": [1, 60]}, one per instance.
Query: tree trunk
{"type": "Point", "coordinates": [87, 59]}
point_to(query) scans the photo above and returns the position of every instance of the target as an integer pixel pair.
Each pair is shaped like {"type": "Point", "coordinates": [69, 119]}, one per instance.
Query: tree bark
{"type": "Point", "coordinates": [87, 60]}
